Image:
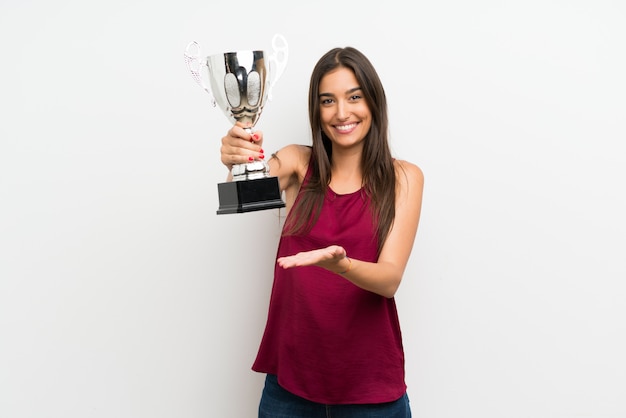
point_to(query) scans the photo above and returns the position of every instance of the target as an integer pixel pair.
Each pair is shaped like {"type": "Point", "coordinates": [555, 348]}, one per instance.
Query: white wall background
{"type": "Point", "coordinates": [123, 294]}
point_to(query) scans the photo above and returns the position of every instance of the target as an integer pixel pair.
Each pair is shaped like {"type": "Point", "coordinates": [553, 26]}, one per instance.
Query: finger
{"type": "Point", "coordinates": [241, 146]}
{"type": "Point", "coordinates": [238, 131]}
{"type": "Point", "coordinates": [285, 262]}
{"type": "Point", "coordinates": [337, 251]}
{"type": "Point", "coordinates": [244, 152]}
{"type": "Point", "coordinates": [233, 159]}
{"type": "Point", "coordinates": [257, 138]}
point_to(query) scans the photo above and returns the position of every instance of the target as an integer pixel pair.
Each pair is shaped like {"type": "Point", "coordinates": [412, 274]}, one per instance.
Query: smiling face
{"type": "Point", "coordinates": [344, 113]}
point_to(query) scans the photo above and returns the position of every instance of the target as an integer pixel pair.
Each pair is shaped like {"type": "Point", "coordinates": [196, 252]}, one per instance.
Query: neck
{"type": "Point", "coordinates": [346, 172]}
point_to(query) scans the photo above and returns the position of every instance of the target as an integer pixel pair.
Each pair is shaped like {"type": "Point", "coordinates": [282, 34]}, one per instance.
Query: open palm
{"type": "Point", "coordinates": [324, 257]}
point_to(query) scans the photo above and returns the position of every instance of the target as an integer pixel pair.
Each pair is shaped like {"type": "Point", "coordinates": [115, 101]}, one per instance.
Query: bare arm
{"type": "Point", "coordinates": [384, 276]}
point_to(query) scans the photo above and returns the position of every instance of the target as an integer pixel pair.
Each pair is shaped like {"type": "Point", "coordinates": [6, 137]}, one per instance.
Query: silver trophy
{"type": "Point", "coordinates": [241, 83]}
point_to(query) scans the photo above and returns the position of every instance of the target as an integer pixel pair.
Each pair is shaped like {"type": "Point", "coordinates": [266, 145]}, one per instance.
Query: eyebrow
{"type": "Point", "coordinates": [352, 90]}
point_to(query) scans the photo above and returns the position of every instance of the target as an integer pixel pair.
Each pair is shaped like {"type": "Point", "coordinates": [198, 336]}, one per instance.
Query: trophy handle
{"type": "Point", "coordinates": [278, 60]}
{"type": "Point", "coordinates": [195, 64]}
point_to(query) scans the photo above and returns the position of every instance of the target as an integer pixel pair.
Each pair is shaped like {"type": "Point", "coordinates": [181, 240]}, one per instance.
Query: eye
{"type": "Point", "coordinates": [325, 101]}
{"type": "Point", "coordinates": [355, 97]}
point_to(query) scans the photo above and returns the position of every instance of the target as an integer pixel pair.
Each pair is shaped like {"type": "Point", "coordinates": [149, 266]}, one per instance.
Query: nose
{"type": "Point", "coordinates": [343, 111]}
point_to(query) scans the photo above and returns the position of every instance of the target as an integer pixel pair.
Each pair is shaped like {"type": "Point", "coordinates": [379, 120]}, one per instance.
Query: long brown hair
{"type": "Point", "coordinates": [379, 177]}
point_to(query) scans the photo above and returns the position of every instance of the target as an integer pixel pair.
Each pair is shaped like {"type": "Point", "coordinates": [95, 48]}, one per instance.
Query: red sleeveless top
{"type": "Point", "coordinates": [326, 339]}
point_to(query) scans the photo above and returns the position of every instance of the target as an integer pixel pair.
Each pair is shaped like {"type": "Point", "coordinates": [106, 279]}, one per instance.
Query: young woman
{"type": "Point", "coordinates": [332, 344]}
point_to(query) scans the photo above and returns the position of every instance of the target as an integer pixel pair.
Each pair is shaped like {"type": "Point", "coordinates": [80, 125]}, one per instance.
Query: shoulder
{"type": "Point", "coordinates": [294, 152]}
{"type": "Point", "coordinates": [290, 164]}
{"type": "Point", "coordinates": [294, 158]}
{"type": "Point", "coordinates": [408, 173]}
{"type": "Point", "coordinates": [409, 191]}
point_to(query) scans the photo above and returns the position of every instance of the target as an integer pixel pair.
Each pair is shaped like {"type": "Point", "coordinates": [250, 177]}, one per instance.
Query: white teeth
{"type": "Point", "coordinates": [345, 127]}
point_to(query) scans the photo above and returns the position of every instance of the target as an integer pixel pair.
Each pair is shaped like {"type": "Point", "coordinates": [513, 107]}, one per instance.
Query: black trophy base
{"type": "Point", "coordinates": [249, 195]}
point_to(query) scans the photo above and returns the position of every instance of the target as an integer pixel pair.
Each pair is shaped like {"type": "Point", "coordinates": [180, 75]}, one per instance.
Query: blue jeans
{"type": "Point", "coordinates": [276, 402]}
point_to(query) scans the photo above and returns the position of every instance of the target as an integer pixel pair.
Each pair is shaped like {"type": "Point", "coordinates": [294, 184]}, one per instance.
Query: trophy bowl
{"type": "Point", "coordinates": [240, 84]}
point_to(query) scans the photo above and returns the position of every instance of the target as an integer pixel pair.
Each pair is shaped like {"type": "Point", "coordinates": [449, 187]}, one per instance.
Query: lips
{"type": "Point", "coordinates": [346, 128]}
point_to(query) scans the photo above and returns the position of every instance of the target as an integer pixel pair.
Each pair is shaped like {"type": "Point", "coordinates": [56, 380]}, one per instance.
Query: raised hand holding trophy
{"type": "Point", "coordinates": [240, 83]}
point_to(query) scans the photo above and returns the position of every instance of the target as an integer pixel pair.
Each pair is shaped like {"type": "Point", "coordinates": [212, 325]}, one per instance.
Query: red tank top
{"type": "Point", "coordinates": [326, 339]}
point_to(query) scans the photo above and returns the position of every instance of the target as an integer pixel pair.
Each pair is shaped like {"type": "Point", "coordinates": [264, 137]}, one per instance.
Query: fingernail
{"type": "Point", "coordinates": [250, 159]}
{"type": "Point", "coordinates": [255, 136]}
{"type": "Point", "coordinates": [261, 156]}
{"type": "Point", "coordinates": [261, 151]}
